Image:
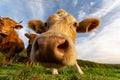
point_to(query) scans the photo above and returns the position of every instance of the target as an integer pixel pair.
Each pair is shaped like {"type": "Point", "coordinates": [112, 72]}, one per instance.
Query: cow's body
{"type": "Point", "coordinates": [10, 42]}
{"type": "Point", "coordinates": [55, 47]}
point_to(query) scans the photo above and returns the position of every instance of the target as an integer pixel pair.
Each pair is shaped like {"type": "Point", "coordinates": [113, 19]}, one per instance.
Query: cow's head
{"type": "Point", "coordinates": [55, 47]}
{"type": "Point", "coordinates": [7, 25]}
{"type": "Point", "coordinates": [31, 37]}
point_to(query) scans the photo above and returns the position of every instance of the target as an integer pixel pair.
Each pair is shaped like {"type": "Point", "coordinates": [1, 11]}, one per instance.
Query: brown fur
{"type": "Point", "coordinates": [10, 41]}
{"type": "Point", "coordinates": [19, 59]}
{"type": "Point", "coordinates": [55, 48]}
{"type": "Point", "coordinates": [89, 24]}
{"type": "Point", "coordinates": [31, 38]}
{"type": "Point", "coordinates": [22, 59]}
{"type": "Point", "coordinates": [37, 25]}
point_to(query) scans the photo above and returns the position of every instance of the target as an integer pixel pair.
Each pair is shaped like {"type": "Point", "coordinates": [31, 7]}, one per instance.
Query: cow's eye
{"type": "Point", "coordinates": [75, 24]}
{"type": "Point", "coordinates": [11, 27]}
{"type": "Point", "coordinates": [45, 24]}
{"type": "Point", "coordinates": [1, 23]}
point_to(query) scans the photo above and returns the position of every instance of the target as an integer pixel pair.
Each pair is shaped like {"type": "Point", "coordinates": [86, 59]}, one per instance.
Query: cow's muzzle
{"type": "Point", "coordinates": [3, 33]}
{"type": "Point", "coordinates": [51, 49]}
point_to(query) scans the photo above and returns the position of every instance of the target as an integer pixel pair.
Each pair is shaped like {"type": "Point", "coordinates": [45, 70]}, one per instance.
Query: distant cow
{"type": "Point", "coordinates": [9, 39]}
{"type": "Point", "coordinates": [55, 47]}
{"type": "Point", "coordinates": [31, 38]}
{"type": "Point", "coordinates": [20, 59]}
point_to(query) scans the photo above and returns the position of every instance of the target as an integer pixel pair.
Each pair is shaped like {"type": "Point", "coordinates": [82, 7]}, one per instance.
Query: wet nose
{"type": "Point", "coordinates": [51, 48]}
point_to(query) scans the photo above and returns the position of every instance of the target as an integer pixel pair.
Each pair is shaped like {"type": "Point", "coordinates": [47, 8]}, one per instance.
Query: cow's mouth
{"type": "Point", "coordinates": [3, 34]}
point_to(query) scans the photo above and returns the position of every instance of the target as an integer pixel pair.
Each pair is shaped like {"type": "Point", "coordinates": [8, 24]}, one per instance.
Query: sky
{"type": "Point", "coordinates": [101, 45]}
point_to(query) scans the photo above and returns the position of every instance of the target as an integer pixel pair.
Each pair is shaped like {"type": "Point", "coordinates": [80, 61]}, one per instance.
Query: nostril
{"type": "Point", "coordinates": [40, 43]}
{"type": "Point", "coordinates": [36, 45]}
{"type": "Point", "coordinates": [63, 46]}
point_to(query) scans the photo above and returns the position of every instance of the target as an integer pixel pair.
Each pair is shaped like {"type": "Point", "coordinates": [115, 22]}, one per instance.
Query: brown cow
{"type": "Point", "coordinates": [31, 38]}
{"type": "Point", "coordinates": [55, 47]}
{"type": "Point", "coordinates": [19, 59]}
{"type": "Point", "coordinates": [9, 41]}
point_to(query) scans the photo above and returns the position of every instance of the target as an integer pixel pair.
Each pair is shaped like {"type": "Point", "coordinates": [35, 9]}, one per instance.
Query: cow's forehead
{"type": "Point", "coordinates": [61, 15]}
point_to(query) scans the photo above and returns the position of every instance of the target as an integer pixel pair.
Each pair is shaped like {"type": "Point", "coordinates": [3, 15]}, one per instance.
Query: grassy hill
{"type": "Point", "coordinates": [92, 71]}
{"type": "Point", "coordinates": [86, 64]}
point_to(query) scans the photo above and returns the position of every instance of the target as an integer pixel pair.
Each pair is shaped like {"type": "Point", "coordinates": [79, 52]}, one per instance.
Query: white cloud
{"type": "Point", "coordinates": [104, 47]}
{"type": "Point", "coordinates": [37, 9]}
{"type": "Point", "coordinates": [75, 2]}
{"type": "Point", "coordinates": [81, 15]}
{"type": "Point", "coordinates": [92, 3]}
{"type": "Point", "coordinates": [107, 7]}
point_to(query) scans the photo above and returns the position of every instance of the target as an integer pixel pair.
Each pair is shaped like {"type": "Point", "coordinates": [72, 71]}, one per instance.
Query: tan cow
{"type": "Point", "coordinates": [9, 39]}
{"type": "Point", "coordinates": [55, 47]}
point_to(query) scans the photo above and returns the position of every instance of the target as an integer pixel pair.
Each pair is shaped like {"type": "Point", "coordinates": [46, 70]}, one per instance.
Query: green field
{"type": "Point", "coordinates": [19, 72]}
{"type": "Point", "coordinates": [92, 71]}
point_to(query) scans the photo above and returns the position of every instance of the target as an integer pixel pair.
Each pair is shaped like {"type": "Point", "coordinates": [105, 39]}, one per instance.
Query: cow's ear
{"type": "Point", "coordinates": [27, 35]}
{"type": "Point", "coordinates": [37, 26]}
{"type": "Point", "coordinates": [88, 25]}
{"type": "Point", "coordinates": [18, 26]}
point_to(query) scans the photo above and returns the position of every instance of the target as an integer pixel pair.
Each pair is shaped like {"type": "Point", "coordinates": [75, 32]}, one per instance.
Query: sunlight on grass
{"type": "Point", "coordinates": [19, 72]}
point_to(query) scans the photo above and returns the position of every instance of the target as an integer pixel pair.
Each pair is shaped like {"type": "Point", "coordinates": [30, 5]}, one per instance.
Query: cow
{"type": "Point", "coordinates": [31, 38]}
{"type": "Point", "coordinates": [19, 59]}
{"type": "Point", "coordinates": [54, 48]}
{"type": "Point", "coordinates": [10, 41]}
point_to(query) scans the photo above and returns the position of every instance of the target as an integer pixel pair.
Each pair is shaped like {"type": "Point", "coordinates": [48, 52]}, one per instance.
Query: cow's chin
{"type": "Point", "coordinates": [56, 65]}
{"type": "Point", "coordinates": [52, 65]}
{"type": "Point", "coordinates": [59, 64]}
{"type": "Point", "coordinates": [47, 64]}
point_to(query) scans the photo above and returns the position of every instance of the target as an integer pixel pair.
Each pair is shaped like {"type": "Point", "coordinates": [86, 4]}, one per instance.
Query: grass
{"type": "Point", "coordinates": [19, 72]}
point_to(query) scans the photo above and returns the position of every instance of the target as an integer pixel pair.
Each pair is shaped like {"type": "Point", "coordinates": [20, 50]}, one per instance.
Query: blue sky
{"type": "Point", "coordinates": [101, 45]}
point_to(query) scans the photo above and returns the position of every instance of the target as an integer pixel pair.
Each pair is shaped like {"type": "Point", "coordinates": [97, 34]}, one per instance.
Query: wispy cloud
{"type": "Point", "coordinates": [106, 8]}
{"type": "Point", "coordinates": [92, 3]}
{"type": "Point", "coordinates": [75, 2]}
{"type": "Point", "coordinates": [82, 14]}
{"type": "Point", "coordinates": [103, 46]}
{"type": "Point", "coordinates": [36, 8]}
